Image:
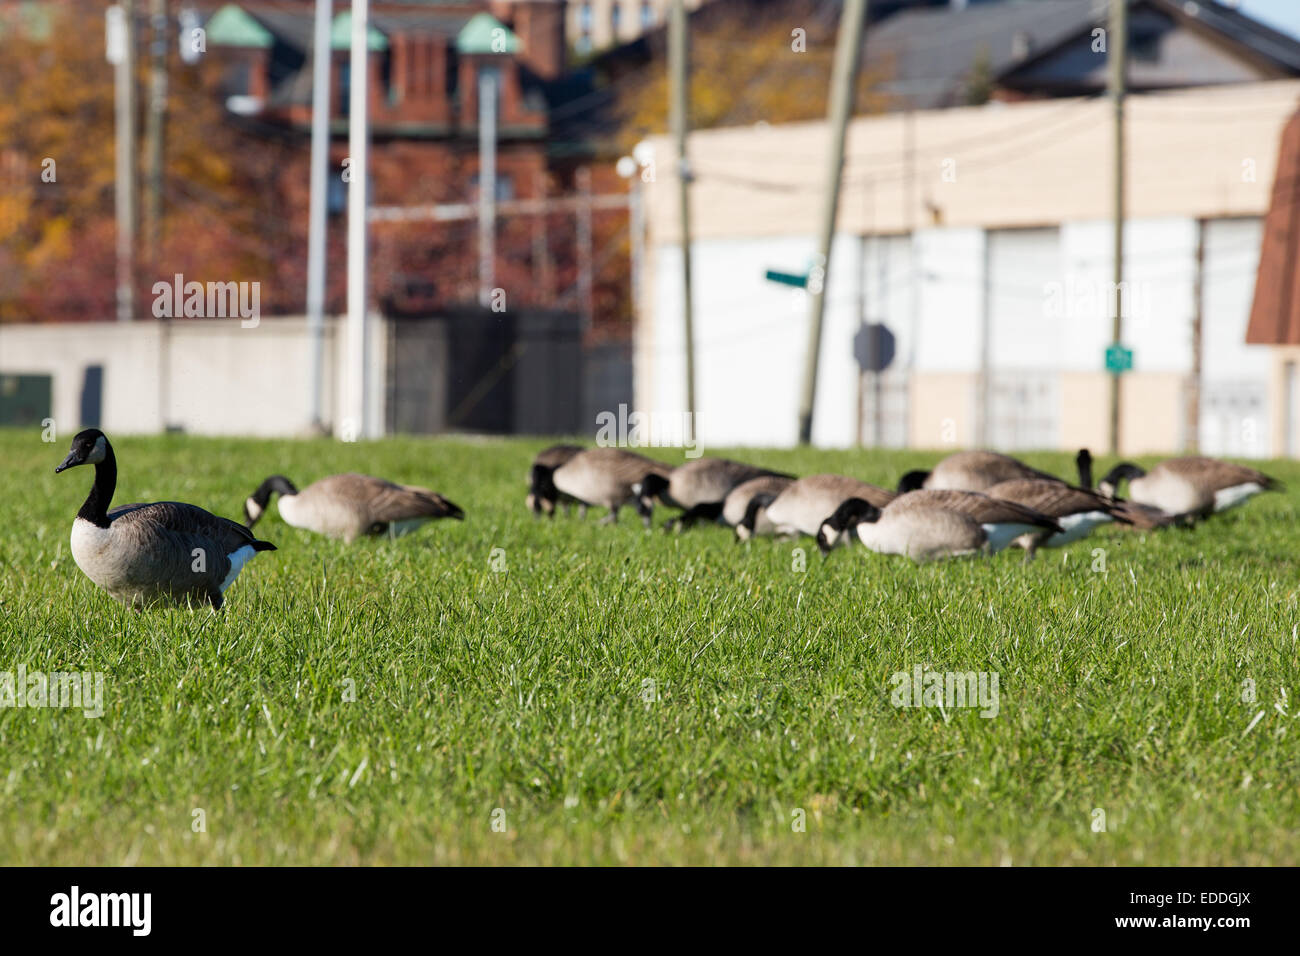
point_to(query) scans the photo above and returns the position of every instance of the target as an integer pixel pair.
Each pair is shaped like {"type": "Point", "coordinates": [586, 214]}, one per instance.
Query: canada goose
{"type": "Point", "coordinates": [349, 506]}
{"type": "Point", "coordinates": [552, 457]}
{"type": "Point", "coordinates": [970, 471]}
{"type": "Point", "coordinates": [699, 488]}
{"type": "Point", "coordinates": [737, 501]}
{"type": "Point", "coordinates": [143, 553]}
{"type": "Point", "coordinates": [599, 476]}
{"type": "Point", "coordinates": [804, 504]}
{"type": "Point", "coordinates": [1188, 486]}
{"type": "Point", "coordinates": [1136, 515]}
{"type": "Point", "coordinates": [1077, 510]}
{"type": "Point", "coordinates": [930, 524]}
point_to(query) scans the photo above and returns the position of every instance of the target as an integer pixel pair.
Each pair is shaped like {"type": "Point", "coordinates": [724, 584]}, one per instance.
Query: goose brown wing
{"type": "Point", "coordinates": [384, 501]}
{"type": "Point", "coordinates": [981, 507]}
{"type": "Point", "coordinates": [1214, 474]}
{"type": "Point", "coordinates": [1052, 498]}
{"type": "Point", "coordinates": [841, 488]}
{"type": "Point", "coordinates": [1147, 517]}
{"type": "Point", "coordinates": [711, 479]}
{"type": "Point", "coordinates": [989, 467]}
{"type": "Point", "coordinates": [180, 518]}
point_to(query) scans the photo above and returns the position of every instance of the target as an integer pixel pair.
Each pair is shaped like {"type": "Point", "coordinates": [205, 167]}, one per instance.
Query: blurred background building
{"type": "Point", "coordinates": [969, 286]}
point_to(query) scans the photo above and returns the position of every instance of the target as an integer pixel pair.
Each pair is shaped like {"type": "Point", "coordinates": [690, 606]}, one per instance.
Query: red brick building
{"type": "Point", "coordinates": [425, 60]}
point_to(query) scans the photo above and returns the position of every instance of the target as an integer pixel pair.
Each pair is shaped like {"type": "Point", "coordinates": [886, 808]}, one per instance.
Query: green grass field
{"type": "Point", "coordinates": [614, 696]}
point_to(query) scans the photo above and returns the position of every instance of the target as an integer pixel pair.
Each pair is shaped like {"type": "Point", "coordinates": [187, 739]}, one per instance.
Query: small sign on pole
{"type": "Point", "coordinates": [1118, 359]}
{"type": "Point", "coordinates": [787, 278]}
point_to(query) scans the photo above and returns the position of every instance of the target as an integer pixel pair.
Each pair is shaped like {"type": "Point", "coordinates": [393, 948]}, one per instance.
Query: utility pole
{"type": "Point", "coordinates": [1192, 439]}
{"type": "Point", "coordinates": [985, 431]}
{"type": "Point", "coordinates": [153, 197]}
{"type": "Point", "coordinates": [154, 127]}
{"type": "Point", "coordinates": [1118, 52]}
{"type": "Point", "coordinates": [355, 421]}
{"type": "Point", "coordinates": [679, 81]}
{"type": "Point", "coordinates": [317, 236]}
{"type": "Point", "coordinates": [120, 34]}
{"type": "Point", "coordinates": [487, 183]}
{"type": "Point", "coordinates": [843, 80]}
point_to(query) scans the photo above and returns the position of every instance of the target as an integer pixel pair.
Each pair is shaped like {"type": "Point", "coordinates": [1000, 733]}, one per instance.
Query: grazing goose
{"type": "Point", "coordinates": [970, 471]}
{"type": "Point", "coordinates": [1193, 486]}
{"type": "Point", "coordinates": [1076, 510]}
{"type": "Point", "coordinates": [145, 553]}
{"type": "Point", "coordinates": [349, 506]}
{"type": "Point", "coordinates": [598, 476]}
{"type": "Point", "coordinates": [552, 457]}
{"type": "Point", "coordinates": [804, 504]}
{"type": "Point", "coordinates": [1134, 514]}
{"type": "Point", "coordinates": [926, 525]}
{"type": "Point", "coordinates": [699, 488]}
{"type": "Point", "coordinates": [737, 501]}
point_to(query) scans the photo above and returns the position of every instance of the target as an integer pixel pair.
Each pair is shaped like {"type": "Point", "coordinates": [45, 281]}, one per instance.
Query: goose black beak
{"type": "Point", "coordinates": [69, 462]}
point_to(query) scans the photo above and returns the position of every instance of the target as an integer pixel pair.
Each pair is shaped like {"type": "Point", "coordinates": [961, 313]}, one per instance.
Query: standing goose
{"type": "Point", "coordinates": [699, 488]}
{"type": "Point", "coordinates": [970, 471]}
{"type": "Point", "coordinates": [804, 504]}
{"type": "Point", "coordinates": [1076, 510]}
{"type": "Point", "coordinates": [144, 553]}
{"type": "Point", "coordinates": [349, 506]}
{"type": "Point", "coordinates": [1189, 486]}
{"type": "Point", "coordinates": [598, 476]}
{"type": "Point", "coordinates": [552, 458]}
{"type": "Point", "coordinates": [926, 525]}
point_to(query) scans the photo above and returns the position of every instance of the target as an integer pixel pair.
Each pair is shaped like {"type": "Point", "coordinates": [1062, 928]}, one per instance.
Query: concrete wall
{"type": "Point", "coordinates": [225, 380]}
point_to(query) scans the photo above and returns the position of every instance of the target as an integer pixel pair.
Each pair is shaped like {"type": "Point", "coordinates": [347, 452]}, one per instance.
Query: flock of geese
{"type": "Point", "coordinates": [972, 502]}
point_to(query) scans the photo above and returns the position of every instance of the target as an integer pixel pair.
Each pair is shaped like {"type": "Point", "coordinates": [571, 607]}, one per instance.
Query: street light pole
{"type": "Point", "coordinates": [847, 55]}
{"type": "Point", "coordinates": [355, 421]}
{"type": "Point", "coordinates": [316, 223]}
{"type": "Point", "coordinates": [1118, 53]}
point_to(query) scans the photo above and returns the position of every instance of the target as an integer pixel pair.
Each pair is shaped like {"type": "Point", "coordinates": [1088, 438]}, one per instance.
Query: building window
{"type": "Point", "coordinates": [336, 195]}
{"type": "Point", "coordinates": [615, 18]}
{"type": "Point", "coordinates": [583, 43]}
{"type": "Point", "coordinates": [505, 187]}
{"type": "Point", "coordinates": [647, 14]}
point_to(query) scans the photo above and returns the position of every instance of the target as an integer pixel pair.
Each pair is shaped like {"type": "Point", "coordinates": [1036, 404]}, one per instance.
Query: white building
{"type": "Point", "coordinates": [981, 238]}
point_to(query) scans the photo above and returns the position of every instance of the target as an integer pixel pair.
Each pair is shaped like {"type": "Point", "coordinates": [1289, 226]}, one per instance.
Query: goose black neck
{"type": "Point", "coordinates": [95, 510]}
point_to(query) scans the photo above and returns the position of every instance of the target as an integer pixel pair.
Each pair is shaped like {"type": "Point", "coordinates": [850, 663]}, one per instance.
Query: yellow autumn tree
{"type": "Point", "coordinates": [57, 171]}
{"type": "Point", "coordinates": [749, 63]}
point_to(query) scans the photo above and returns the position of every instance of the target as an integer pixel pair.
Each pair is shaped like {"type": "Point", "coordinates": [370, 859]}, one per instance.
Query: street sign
{"type": "Point", "coordinates": [874, 347]}
{"type": "Point", "coordinates": [1118, 359]}
{"type": "Point", "coordinates": [787, 278]}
